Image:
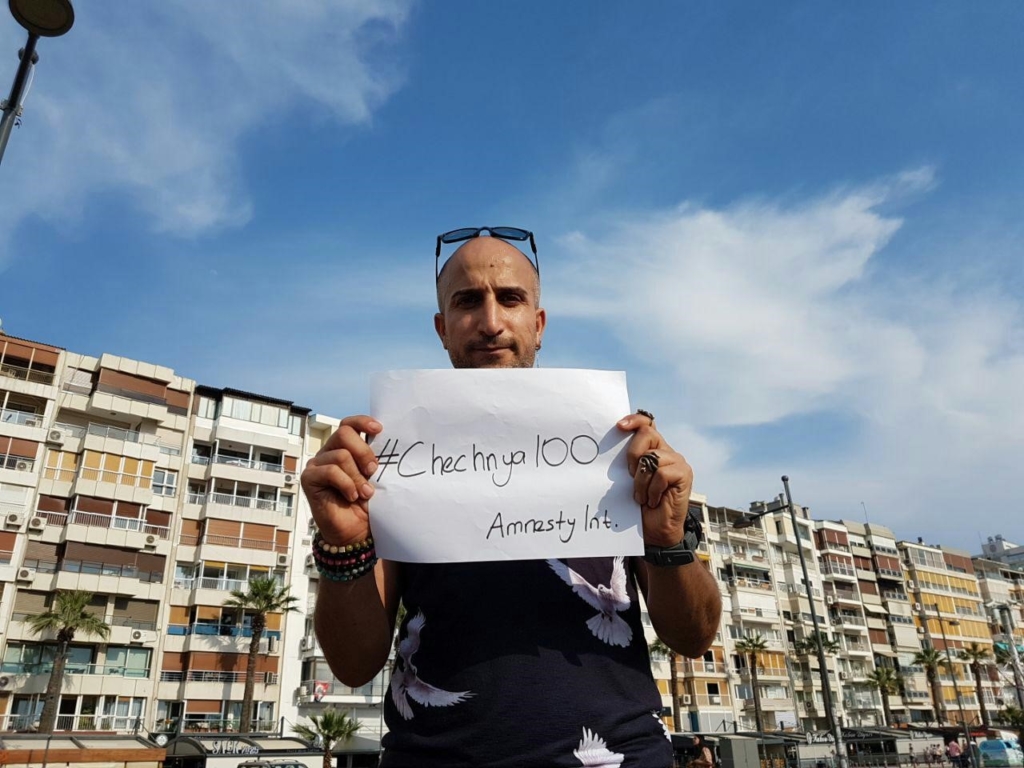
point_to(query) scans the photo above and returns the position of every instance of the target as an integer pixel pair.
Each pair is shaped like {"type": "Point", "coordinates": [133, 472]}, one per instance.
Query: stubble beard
{"type": "Point", "coordinates": [462, 359]}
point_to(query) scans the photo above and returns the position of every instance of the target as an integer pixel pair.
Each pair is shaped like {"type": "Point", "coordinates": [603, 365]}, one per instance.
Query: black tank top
{"type": "Point", "coordinates": [527, 663]}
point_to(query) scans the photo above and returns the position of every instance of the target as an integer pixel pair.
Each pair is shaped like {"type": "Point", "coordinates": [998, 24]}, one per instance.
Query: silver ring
{"type": "Point", "coordinates": [648, 464]}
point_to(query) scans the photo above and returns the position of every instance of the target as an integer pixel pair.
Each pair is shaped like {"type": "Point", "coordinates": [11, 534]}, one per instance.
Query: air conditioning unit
{"type": "Point", "coordinates": [22, 466]}
{"type": "Point", "coordinates": [151, 540]}
{"type": "Point", "coordinates": [920, 630]}
{"type": "Point", "coordinates": [271, 645]}
{"type": "Point", "coordinates": [289, 479]}
{"type": "Point", "coordinates": [715, 699]}
{"type": "Point", "coordinates": [5, 682]}
{"type": "Point", "coordinates": [26, 574]}
{"type": "Point", "coordinates": [842, 675]}
{"type": "Point", "coordinates": [917, 606]}
{"type": "Point", "coordinates": [303, 691]}
{"type": "Point", "coordinates": [685, 699]}
{"type": "Point", "coordinates": [56, 436]}
{"type": "Point", "coordinates": [306, 643]}
{"type": "Point", "coordinates": [282, 559]}
{"type": "Point", "coordinates": [270, 678]}
{"type": "Point", "coordinates": [14, 520]}
{"type": "Point", "coordinates": [310, 561]}
{"type": "Point", "coordinates": [37, 523]}
{"type": "Point", "coordinates": [141, 636]}
{"type": "Point", "coordinates": [829, 599]}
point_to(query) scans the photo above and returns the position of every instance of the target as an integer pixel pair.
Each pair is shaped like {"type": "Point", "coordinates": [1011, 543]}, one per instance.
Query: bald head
{"type": "Point", "coordinates": [496, 251]}
{"type": "Point", "coordinates": [488, 298]}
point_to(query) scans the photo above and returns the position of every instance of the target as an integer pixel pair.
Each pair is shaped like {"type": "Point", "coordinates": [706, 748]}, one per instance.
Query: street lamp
{"type": "Point", "coordinates": [40, 18]}
{"type": "Point", "coordinates": [956, 686]}
{"type": "Point", "coordinates": [826, 686]}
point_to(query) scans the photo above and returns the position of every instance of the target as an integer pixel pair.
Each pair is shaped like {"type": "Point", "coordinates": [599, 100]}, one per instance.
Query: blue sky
{"type": "Point", "coordinates": [795, 226]}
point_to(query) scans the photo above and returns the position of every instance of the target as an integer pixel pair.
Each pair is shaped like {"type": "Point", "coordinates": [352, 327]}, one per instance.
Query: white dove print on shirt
{"type": "Point", "coordinates": [405, 681]}
{"type": "Point", "coordinates": [593, 752]}
{"type": "Point", "coordinates": [664, 727]}
{"type": "Point", "coordinates": [607, 626]}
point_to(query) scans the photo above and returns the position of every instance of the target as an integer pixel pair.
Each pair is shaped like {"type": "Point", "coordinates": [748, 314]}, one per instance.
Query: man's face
{"type": "Point", "coordinates": [489, 316]}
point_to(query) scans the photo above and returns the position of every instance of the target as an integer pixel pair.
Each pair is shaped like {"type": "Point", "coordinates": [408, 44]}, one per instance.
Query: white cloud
{"type": "Point", "coordinates": [760, 312]}
{"type": "Point", "coordinates": [152, 99]}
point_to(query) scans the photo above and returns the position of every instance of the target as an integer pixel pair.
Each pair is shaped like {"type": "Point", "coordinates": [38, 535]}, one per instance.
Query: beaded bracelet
{"type": "Point", "coordinates": [343, 563]}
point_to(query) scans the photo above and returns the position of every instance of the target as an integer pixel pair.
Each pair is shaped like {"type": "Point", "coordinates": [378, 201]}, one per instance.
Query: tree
{"type": "Point", "coordinates": [977, 656]}
{"type": "Point", "coordinates": [330, 728]}
{"type": "Point", "coordinates": [658, 649]}
{"type": "Point", "coordinates": [1014, 718]}
{"type": "Point", "coordinates": [930, 659]}
{"type": "Point", "coordinates": [750, 647]}
{"type": "Point", "coordinates": [265, 595]}
{"type": "Point", "coordinates": [809, 645]}
{"type": "Point", "coordinates": [887, 681]}
{"type": "Point", "coordinates": [66, 618]}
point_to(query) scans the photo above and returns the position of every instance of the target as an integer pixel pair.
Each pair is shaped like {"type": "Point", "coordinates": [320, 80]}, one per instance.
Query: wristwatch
{"type": "Point", "coordinates": [682, 553]}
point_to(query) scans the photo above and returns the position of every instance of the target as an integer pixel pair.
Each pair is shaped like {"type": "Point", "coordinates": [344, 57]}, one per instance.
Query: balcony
{"type": "Point", "coordinates": [246, 502]}
{"type": "Point", "coordinates": [18, 463]}
{"type": "Point", "coordinates": [90, 723]}
{"type": "Point", "coordinates": [767, 615]}
{"type": "Point", "coordinates": [745, 583]}
{"type": "Point", "coordinates": [21, 418]}
{"type": "Point", "coordinates": [116, 523]}
{"type": "Point", "coordinates": [92, 568]}
{"type": "Point", "coordinates": [117, 670]}
{"type": "Point", "coordinates": [838, 569]}
{"type": "Point", "coordinates": [196, 725]}
{"type": "Point", "coordinates": [849, 621]}
{"type": "Point", "coordinates": [324, 689]}
{"type": "Point", "coordinates": [216, 676]}
{"type": "Point", "coordinates": [263, 466]}
{"type": "Point", "coordinates": [235, 542]}
{"type": "Point", "coordinates": [699, 667]}
{"type": "Point", "coordinates": [23, 373]}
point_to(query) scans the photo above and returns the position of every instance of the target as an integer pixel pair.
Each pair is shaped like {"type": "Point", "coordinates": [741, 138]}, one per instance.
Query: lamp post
{"type": "Point", "coordinates": [956, 686]}
{"type": "Point", "coordinates": [826, 686]}
{"type": "Point", "coordinates": [40, 18]}
{"type": "Point", "coordinates": [1006, 619]}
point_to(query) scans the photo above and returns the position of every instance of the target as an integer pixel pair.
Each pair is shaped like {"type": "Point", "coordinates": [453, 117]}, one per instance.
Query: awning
{"type": "Point", "coordinates": [358, 745]}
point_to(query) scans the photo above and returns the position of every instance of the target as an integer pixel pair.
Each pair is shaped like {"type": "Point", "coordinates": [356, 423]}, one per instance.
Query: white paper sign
{"type": "Point", "coordinates": [502, 464]}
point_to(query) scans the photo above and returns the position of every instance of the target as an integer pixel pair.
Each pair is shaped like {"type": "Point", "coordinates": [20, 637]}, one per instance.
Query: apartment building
{"type": "Point", "coordinates": [98, 462]}
{"type": "Point", "coordinates": [1002, 590]}
{"type": "Point", "coordinates": [239, 517]}
{"type": "Point", "coordinates": [949, 609]}
{"type": "Point", "coordinates": [1002, 551]}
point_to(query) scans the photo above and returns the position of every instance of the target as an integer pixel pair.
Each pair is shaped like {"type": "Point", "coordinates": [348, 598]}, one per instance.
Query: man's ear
{"type": "Point", "coordinates": [542, 321]}
{"type": "Point", "coordinates": [439, 328]}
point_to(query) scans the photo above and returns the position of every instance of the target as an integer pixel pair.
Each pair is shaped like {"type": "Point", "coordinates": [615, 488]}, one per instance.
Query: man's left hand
{"type": "Point", "coordinates": [662, 491]}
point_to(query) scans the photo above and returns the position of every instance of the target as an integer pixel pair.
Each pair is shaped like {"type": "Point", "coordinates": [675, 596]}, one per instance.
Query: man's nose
{"type": "Point", "coordinates": [490, 317]}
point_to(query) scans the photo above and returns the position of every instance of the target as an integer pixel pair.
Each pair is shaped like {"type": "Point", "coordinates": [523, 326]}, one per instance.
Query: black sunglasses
{"type": "Point", "coordinates": [468, 233]}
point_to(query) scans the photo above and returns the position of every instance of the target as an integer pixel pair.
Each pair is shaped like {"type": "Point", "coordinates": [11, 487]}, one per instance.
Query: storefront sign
{"type": "Point", "coordinates": [226, 747]}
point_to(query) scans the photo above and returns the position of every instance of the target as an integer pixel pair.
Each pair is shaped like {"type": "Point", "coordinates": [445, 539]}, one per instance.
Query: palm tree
{"type": "Point", "coordinates": [750, 647]}
{"type": "Point", "coordinates": [66, 618]}
{"type": "Point", "coordinates": [658, 649]}
{"type": "Point", "coordinates": [887, 681]}
{"type": "Point", "coordinates": [265, 595]}
{"type": "Point", "coordinates": [976, 656]}
{"type": "Point", "coordinates": [930, 659]}
{"type": "Point", "coordinates": [330, 728]}
{"type": "Point", "coordinates": [1014, 718]}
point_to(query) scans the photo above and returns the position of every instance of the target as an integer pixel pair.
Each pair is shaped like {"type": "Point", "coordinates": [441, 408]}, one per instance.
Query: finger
{"type": "Point", "coordinates": [645, 438]}
{"type": "Point", "coordinates": [671, 474]}
{"type": "Point", "coordinates": [331, 477]}
{"type": "Point", "coordinates": [343, 458]}
{"type": "Point", "coordinates": [634, 421]}
{"type": "Point", "coordinates": [348, 437]}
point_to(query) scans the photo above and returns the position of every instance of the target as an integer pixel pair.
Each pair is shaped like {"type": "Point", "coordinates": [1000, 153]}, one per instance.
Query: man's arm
{"type": "Point", "coordinates": [683, 601]}
{"type": "Point", "coordinates": [684, 604]}
{"type": "Point", "coordinates": [354, 620]}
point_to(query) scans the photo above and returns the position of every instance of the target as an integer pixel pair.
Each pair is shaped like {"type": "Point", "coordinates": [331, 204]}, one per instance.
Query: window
{"type": "Point", "coordinates": [713, 689]}
{"type": "Point", "coordinates": [295, 425]}
{"type": "Point", "coordinates": [207, 408]}
{"type": "Point", "coordinates": [164, 482]}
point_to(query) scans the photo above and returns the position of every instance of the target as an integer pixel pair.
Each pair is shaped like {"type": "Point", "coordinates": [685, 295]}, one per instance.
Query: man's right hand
{"type": "Point", "coordinates": [337, 482]}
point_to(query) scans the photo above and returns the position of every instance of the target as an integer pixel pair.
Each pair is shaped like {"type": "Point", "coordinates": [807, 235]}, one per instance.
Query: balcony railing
{"type": "Point", "coordinates": [216, 676]}
{"type": "Point", "coordinates": [196, 498]}
{"type": "Point", "coordinates": [374, 688]}
{"type": "Point", "coordinates": [760, 613]}
{"type": "Point", "coordinates": [193, 724]}
{"type": "Point", "coordinates": [90, 723]}
{"type": "Point", "coordinates": [837, 569]}
{"type": "Point", "coordinates": [117, 478]}
{"type": "Point", "coordinates": [741, 581]}
{"type": "Point", "coordinates": [249, 502]}
{"type": "Point", "coordinates": [218, 630]}
{"type": "Point", "coordinates": [13, 371]}
{"type": "Point", "coordinates": [21, 417]}
{"type": "Point", "coordinates": [110, 569]}
{"type": "Point", "coordinates": [72, 668]}
{"type": "Point", "coordinates": [706, 667]}
{"type": "Point", "coordinates": [234, 461]}
{"type": "Point", "coordinates": [844, 619]}
{"type": "Point", "coordinates": [117, 523]}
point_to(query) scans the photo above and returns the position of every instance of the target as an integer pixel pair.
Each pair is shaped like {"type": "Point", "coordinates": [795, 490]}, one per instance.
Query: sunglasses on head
{"type": "Point", "coordinates": [468, 233]}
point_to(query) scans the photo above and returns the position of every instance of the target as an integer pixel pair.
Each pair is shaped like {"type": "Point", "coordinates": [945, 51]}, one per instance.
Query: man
{"type": "Point", "coordinates": [506, 664]}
